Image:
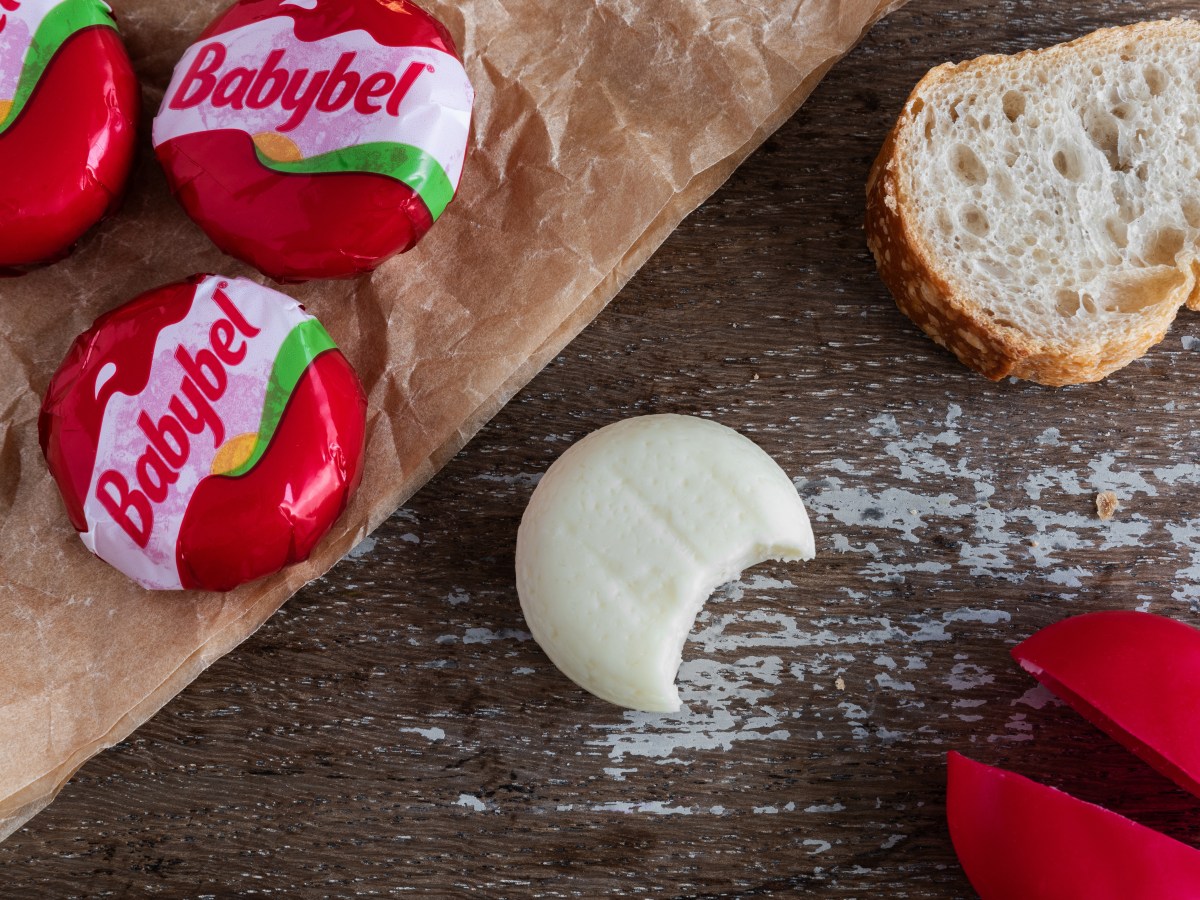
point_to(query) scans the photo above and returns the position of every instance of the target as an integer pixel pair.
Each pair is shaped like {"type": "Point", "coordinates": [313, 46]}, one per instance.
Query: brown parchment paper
{"type": "Point", "coordinates": [599, 124]}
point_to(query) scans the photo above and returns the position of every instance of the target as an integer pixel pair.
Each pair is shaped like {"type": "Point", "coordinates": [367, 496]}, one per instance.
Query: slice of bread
{"type": "Point", "coordinates": [1039, 214]}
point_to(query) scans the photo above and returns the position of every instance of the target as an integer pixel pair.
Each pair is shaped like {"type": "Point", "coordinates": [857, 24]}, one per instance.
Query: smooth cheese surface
{"type": "Point", "coordinates": [627, 535]}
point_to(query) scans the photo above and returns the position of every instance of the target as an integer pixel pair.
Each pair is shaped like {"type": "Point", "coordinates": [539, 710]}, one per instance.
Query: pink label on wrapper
{"type": "Point", "coordinates": [304, 98]}
{"type": "Point", "coordinates": [14, 41]}
{"type": "Point", "coordinates": [207, 387]}
{"type": "Point", "coordinates": [18, 23]}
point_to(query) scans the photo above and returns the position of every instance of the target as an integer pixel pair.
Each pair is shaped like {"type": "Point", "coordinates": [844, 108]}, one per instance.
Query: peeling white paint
{"type": "Point", "coordinates": [774, 810]}
{"type": "Point", "coordinates": [485, 636]}
{"type": "Point", "coordinates": [654, 807]}
{"type": "Point", "coordinates": [363, 548]}
{"type": "Point", "coordinates": [1050, 437]}
{"type": "Point", "coordinates": [1017, 728]}
{"type": "Point", "coordinates": [952, 495]}
{"type": "Point", "coordinates": [884, 680]}
{"type": "Point", "coordinates": [470, 801]}
{"type": "Point", "coordinates": [966, 676]}
{"type": "Point", "coordinates": [430, 734]}
{"type": "Point", "coordinates": [521, 479]}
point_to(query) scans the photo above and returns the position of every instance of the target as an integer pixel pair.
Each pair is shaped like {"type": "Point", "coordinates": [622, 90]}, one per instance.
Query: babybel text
{"type": "Point", "coordinates": [295, 92]}
{"type": "Point", "coordinates": [189, 414]}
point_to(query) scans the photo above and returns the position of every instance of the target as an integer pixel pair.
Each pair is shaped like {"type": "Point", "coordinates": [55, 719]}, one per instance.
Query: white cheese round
{"type": "Point", "coordinates": [627, 535]}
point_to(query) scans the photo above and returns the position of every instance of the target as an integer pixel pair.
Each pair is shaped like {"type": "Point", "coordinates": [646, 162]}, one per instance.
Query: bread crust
{"type": "Point", "coordinates": [961, 323]}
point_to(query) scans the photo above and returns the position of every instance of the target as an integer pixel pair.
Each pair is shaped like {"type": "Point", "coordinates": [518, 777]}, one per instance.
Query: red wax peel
{"type": "Point", "coordinates": [1135, 676]}
{"type": "Point", "coordinates": [68, 123]}
{"type": "Point", "coordinates": [204, 434]}
{"type": "Point", "coordinates": [1019, 840]}
{"type": "Point", "coordinates": [315, 140]}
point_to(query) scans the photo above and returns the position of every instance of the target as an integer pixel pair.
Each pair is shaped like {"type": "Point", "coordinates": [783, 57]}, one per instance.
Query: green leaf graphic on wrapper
{"type": "Point", "coordinates": [304, 343]}
{"type": "Point", "coordinates": [404, 162]}
{"type": "Point", "coordinates": [60, 23]}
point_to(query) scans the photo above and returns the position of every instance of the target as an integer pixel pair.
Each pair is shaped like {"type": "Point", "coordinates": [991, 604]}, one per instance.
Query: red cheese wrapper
{"type": "Point", "coordinates": [204, 434]}
{"type": "Point", "coordinates": [1136, 676]}
{"type": "Point", "coordinates": [1019, 840]}
{"type": "Point", "coordinates": [315, 139]}
{"type": "Point", "coordinates": [68, 123]}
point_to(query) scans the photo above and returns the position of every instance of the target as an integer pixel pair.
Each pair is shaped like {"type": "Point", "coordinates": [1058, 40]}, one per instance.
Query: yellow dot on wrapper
{"type": "Point", "coordinates": [396, 6]}
{"type": "Point", "coordinates": [275, 146]}
{"type": "Point", "coordinates": [5, 109]}
{"type": "Point", "coordinates": [234, 452]}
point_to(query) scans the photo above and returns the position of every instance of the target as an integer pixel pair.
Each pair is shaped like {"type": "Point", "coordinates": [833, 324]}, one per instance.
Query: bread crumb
{"type": "Point", "coordinates": [840, 683]}
{"type": "Point", "coordinates": [1106, 504]}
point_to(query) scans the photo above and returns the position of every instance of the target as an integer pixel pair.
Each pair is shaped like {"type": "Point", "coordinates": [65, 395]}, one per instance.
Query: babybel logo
{"type": "Point", "coordinates": [296, 92]}
{"type": "Point", "coordinates": [189, 413]}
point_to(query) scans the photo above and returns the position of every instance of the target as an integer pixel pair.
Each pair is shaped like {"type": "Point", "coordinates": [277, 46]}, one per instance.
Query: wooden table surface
{"type": "Point", "coordinates": [395, 729]}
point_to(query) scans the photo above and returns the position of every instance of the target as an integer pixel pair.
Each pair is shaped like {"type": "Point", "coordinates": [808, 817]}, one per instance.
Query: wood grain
{"type": "Point", "coordinates": [395, 729]}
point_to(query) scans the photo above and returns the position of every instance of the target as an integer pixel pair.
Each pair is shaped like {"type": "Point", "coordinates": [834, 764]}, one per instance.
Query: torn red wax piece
{"type": "Point", "coordinates": [1134, 675]}
{"type": "Point", "coordinates": [1020, 840]}
{"type": "Point", "coordinates": [205, 434]}
{"type": "Point", "coordinates": [316, 139]}
{"type": "Point", "coordinates": [68, 125]}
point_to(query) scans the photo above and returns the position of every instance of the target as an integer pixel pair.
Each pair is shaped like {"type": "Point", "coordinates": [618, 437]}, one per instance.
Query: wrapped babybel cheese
{"type": "Point", "coordinates": [68, 123]}
{"type": "Point", "coordinates": [204, 434]}
{"type": "Point", "coordinates": [316, 138]}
